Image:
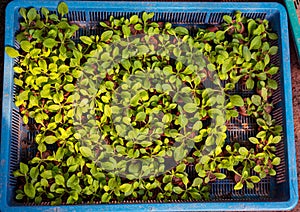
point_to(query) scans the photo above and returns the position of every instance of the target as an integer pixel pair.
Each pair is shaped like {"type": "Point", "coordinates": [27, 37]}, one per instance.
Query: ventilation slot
{"type": "Point", "coordinates": [76, 16]}
{"type": "Point", "coordinates": [277, 115]}
{"type": "Point", "coordinates": [99, 16]}
{"type": "Point", "coordinates": [277, 96]}
{"type": "Point", "coordinates": [176, 18]}
{"type": "Point", "coordinates": [275, 58]}
{"type": "Point", "coordinates": [14, 146]}
{"type": "Point", "coordinates": [96, 17]}
{"type": "Point", "coordinates": [217, 18]}
{"type": "Point", "coordinates": [281, 168]}
{"type": "Point", "coordinates": [224, 189]}
{"type": "Point", "coordinates": [255, 15]}
{"type": "Point", "coordinates": [241, 128]}
{"type": "Point", "coordinates": [120, 14]}
{"type": "Point", "coordinates": [280, 148]}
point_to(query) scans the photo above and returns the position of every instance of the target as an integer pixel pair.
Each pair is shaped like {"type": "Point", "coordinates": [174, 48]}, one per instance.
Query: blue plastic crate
{"type": "Point", "coordinates": [273, 193]}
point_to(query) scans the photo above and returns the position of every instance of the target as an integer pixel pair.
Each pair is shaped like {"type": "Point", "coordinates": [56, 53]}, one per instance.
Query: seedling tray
{"type": "Point", "coordinates": [272, 193]}
{"type": "Point", "coordinates": [293, 8]}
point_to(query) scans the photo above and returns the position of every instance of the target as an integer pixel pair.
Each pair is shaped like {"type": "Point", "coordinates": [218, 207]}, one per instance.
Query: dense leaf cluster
{"type": "Point", "coordinates": [125, 114]}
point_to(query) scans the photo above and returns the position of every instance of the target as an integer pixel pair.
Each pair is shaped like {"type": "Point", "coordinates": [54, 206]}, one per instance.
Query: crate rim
{"type": "Point", "coordinates": [184, 206]}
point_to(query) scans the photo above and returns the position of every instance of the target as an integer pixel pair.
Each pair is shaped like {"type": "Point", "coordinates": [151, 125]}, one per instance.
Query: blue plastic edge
{"type": "Point", "coordinates": [194, 206]}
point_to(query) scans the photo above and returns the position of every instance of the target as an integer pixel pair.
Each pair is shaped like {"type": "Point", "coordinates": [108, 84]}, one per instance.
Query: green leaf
{"type": "Point", "coordinates": [249, 185]}
{"type": "Point", "coordinates": [227, 18]}
{"type": "Point", "coordinates": [256, 99]}
{"type": "Point", "coordinates": [276, 139]}
{"type": "Point", "coordinates": [198, 125]}
{"type": "Point", "coordinates": [273, 70]}
{"type": "Point", "coordinates": [197, 182]}
{"type": "Point", "coordinates": [138, 27]}
{"type": "Point", "coordinates": [31, 15]}
{"type": "Point", "coordinates": [86, 40]}
{"type": "Point", "coordinates": [134, 19]}
{"type": "Point", "coordinates": [273, 50]}
{"type": "Point", "coordinates": [105, 197]}
{"type": "Point", "coordinates": [18, 82]}
{"type": "Point", "coordinates": [243, 151]}
{"type": "Point", "coordinates": [264, 93]}
{"type": "Point", "coordinates": [23, 168]}
{"type": "Point", "coordinates": [177, 190]}
{"type": "Point", "coordinates": [147, 16]}
{"type": "Point", "coordinates": [45, 12]}
{"type": "Point", "coordinates": [180, 167]}
{"type": "Point", "coordinates": [140, 116]}
{"type": "Point", "coordinates": [179, 153]}
{"type": "Point", "coordinates": [59, 180]}
{"type": "Point", "coordinates": [19, 196]}
{"type": "Point", "coordinates": [167, 178]}
{"type": "Point", "coordinates": [50, 139]}
{"type": "Point", "coordinates": [238, 186]}
{"type": "Point", "coordinates": [255, 42]}
{"type": "Point", "coordinates": [26, 46]}
{"type": "Point", "coordinates": [86, 151]}
{"type": "Point", "coordinates": [126, 64]}
{"type": "Point", "coordinates": [146, 143]}
{"type": "Point", "coordinates": [49, 43]}
{"type": "Point", "coordinates": [41, 79]}
{"type": "Point", "coordinates": [255, 179]}
{"type": "Point", "coordinates": [126, 187]}
{"type": "Point", "coordinates": [205, 159]}
{"type": "Point", "coordinates": [29, 190]}
{"type": "Point", "coordinates": [220, 35]}
{"type": "Point", "coordinates": [260, 29]}
{"type": "Point", "coordinates": [220, 176]}
{"type": "Point", "coordinates": [69, 87]}
{"type": "Point", "coordinates": [272, 84]}
{"type": "Point", "coordinates": [54, 108]}
{"type": "Point", "coordinates": [272, 172]}
{"type": "Point", "coordinates": [253, 140]}
{"type": "Point", "coordinates": [35, 52]}
{"type": "Point", "coordinates": [105, 36]}
{"type": "Point", "coordinates": [126, 31]}
{"type": "Point", "coordinates": [59, 154]}
{"type": "Point", "coordinates": [276, 161]}
{"type": "Point", "coordinates": [246, 53]}
{"type": "Point", "coordinates": [250, 84]}
{"type": "Point", "coordinates": [272, 36]}
{"type": "Point", "coordinates": [267, 59]}
{"type": "Point", "coordinates": [23, 13]}
{"type": "Point", "coordinates": [190, 107]}
{"type": "Point", "coordinates": [251, 27]}
{"type": "Point", "coordinates": [167, 118]}
{"type": "Point", "coordinates": [18, 70]}
{"type": "Point", "coordinates": [142, 49]}
{"type": "Point", "coordinates": [13, 53]}
{"type": "Point", "coordinates": [237, 100]}
{"type": "Point", "coordinates": [181, 30]}
{"type": "Point", "coordinates": [257, 168]}
{"type": "Point", "coordinates": [261, 134]}
{"type": "Point", "coordinates": [62, 8]}
{"type": "Point", "coordinates": [107, 110]}
{"type": "Point", "coordinates": [34, 172]}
